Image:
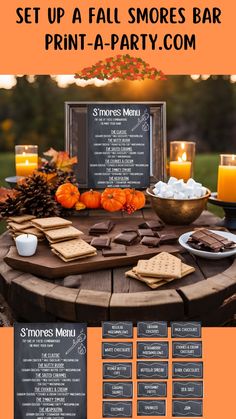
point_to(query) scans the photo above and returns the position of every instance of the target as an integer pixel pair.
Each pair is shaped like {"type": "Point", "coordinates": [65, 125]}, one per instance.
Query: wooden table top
{"type": "Point", "coordinates": [107, 294]}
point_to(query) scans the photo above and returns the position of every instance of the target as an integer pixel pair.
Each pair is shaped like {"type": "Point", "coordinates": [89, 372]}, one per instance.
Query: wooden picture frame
{"type": "Point", "coordinates": [76, 137]}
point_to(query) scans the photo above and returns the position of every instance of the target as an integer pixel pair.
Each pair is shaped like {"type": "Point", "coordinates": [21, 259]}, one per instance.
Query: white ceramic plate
{"type": "Point", "coordinates": [209, 255]}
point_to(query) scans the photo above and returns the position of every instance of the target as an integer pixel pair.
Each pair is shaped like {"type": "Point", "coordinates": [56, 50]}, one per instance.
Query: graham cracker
{"type": "Point", "coordinates": [72, 259]}
{"type": "Point", "coordinates": [19, 227]}
{"type": "Point", "coordinates": [154, 284]}
{"type": "Point", "coordinates": [163, 266]}
{"type": "Point", "coordinates": [62, 234]}
{"type": "Point", "coordinates": [73, 249]}
{"type": "Point", "coordinates": [50, 223]}
{"type": "Point", "coordinates": [21, 218]}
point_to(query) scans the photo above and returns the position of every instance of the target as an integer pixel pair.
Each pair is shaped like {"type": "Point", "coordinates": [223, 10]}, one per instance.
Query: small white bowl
{"type": "Point", "coordinates": [209, 255]}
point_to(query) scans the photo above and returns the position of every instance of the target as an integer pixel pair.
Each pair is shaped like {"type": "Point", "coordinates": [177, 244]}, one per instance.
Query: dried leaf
{"type": "Point", "coordinates": [51, 153]}
{"type": "Point", "coordinates": [6, 193]}
{"type": "Point", "coordinates": [64, 162]}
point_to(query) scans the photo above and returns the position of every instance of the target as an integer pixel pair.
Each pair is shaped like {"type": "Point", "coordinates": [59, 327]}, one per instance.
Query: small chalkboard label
{"type": "Point", "coordinates": [117, 350]}
{"type": "Point", "coordinates": [117, 409]}
{"type": "Point", "coordinates": [152, 369]}
{"type": "Point", "coordinates": [152, 329]}
{"type": "Point", "coordinates": [151, 408]}
{"type": "Point", "coordinates": [117, 330]}
{"type": "Point", "coordinates": [183, 349]}
{"type": "Point", "coordinates": [186, 330]}
{"type": "Point", "coordinates": [50, 370]}
{"type": "Point", "coordinates": [187, 408]}
{"type": "Point", "coordinates": [119, 145]}
{"type": "Point", "coordinates": [184, 389]}
{"type": "Point", "coordinates": [152, 389]}
{"type": "Point", "coordinates": [187, 370]}
{"type": "Point", "coordinates": [117, 390]}
{"type": "Point", "coordinates": [152, 350]}
{"type": "Point", "coordinates": [117, 371]}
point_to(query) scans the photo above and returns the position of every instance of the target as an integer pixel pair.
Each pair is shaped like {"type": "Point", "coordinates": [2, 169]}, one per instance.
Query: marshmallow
{"type": "Point", "coordinates": [172, 180]}
{"type": "Point", "coordinates": [178, 189]}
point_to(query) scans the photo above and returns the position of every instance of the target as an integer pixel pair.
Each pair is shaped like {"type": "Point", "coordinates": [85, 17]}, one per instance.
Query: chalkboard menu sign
{"type": "Point", "coordinates": [121, 144]}
{"type": "Point", "coordinates": [50, 370]}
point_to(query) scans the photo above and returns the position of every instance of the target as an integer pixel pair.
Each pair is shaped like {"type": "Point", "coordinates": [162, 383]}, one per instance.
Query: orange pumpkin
{"type": "Point", "coordinates": [91, 199]}
{"type": "Point", "coordinates": [113, 199]}
{"type": "Point", "coordinates": [67, 195]}
{"type": "Point", "coordinates": [135, 199]}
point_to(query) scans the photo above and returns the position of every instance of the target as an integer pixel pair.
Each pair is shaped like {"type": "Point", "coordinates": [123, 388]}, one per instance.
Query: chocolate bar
{"type": "Point", "coordinates": [101, 228]}
{"type": "Point", "coordinates": [126, 238]}
{"type": "Point", "coordinates": [116, 250]}
{"type": "Point", "coordinates": [204, 239]}
{"type": "Point", "coordinates": [145, 232]}
{"type": "Point", "coordinates": [101, 243]}
{"type": "Point", "coordinates": [152, 224]}
{"type": "Point", "coordinates": [168, 238]}
{"type": "Point", "coordinates": [150, 241]}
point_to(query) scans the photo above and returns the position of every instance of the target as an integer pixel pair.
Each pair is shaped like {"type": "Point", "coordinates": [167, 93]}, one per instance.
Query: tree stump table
{"type": "Point", "coordinates": [208, 295]}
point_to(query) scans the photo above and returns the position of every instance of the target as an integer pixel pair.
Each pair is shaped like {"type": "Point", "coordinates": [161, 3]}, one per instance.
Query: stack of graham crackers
{"type": "Point", "coordinates": [22, 224]}
{"type": "Point", "coordinates": [65, 240]}
{"type": "Point", "coordinates": [160, 270]}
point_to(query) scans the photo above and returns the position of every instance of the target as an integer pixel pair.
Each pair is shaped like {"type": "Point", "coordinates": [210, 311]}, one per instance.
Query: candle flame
{"type": "Point", "coordinates": [183, 146]}
{"type": "Point", "coordinates": [233, 157]}
{"type": "Point", "coordinates": [27, 162]}
{"type": "Point", "coordinates": [183, 158]}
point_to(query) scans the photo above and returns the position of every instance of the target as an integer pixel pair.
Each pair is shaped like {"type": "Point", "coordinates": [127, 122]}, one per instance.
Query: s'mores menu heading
{"type": "Point", "coordinates": [119, 145]}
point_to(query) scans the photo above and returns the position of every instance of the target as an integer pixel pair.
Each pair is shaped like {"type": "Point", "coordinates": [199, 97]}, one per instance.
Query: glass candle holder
{"type": "Point", "coordinates": [26, 157]}
{"type": "Point", "coordinates": [182, 154]}
{"type": "Point", "coordinates": [226, 190]}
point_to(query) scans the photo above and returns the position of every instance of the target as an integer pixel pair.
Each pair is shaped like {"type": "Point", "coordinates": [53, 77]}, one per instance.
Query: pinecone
{"type": "Point", "coordinates": [47, 167]}
{"type": "Point", "coordinates": [35, 196]}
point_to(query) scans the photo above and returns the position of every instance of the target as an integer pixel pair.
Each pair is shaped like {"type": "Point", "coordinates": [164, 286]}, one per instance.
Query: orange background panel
{"type": "Point", "coordinates": [22, 46]}
{"type": "Point", "coordinates": [219, 348]}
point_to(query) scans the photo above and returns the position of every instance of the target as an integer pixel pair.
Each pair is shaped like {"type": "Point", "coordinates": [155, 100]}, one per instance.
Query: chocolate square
{"type": "Point", "coordinates": [126, 238]}
{"type": "Point", "coordinates": [152, 224]}
{"type": "Point", "coordinates": [168, 238]}
{"type": "Point", "coordinates": [150, 241]}
{"type": "Point", "coordinates": [101, 243]}
{"type": "Point", "coordinates": [145, 232]}
{"type": "Point", "coordinates": [101, 228]}
{"type": "Point", "coordinates": [115, 250]}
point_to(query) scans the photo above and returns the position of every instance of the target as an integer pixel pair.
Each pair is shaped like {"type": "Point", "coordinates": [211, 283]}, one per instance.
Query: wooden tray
{"type": "Point", "coordinates": [47, 265]}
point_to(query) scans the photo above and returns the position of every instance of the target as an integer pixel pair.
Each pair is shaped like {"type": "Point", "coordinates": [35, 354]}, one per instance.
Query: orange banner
{"type": "Point", "coordinates": [58, 37]}
{"type": "Point", "coordinates": [219, 346]}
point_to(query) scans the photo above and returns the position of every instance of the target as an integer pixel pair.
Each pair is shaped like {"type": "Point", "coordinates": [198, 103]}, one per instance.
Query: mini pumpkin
{"type": "Point", "coordinates": [135, 199]}
{"type": "Point", "coordinates": [91, 199]}
{"type": "Point", "coordinates": [113, 199]}
{"type": "Point", "coordinates": [67, 195]}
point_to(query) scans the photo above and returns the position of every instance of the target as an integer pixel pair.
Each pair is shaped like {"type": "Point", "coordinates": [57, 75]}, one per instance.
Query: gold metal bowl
{"type": "Point", "coordinates": [178, 211]}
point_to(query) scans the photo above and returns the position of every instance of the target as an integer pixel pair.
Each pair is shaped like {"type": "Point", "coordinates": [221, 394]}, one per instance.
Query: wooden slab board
{"type": "Point", "coordinates": [45, 264]}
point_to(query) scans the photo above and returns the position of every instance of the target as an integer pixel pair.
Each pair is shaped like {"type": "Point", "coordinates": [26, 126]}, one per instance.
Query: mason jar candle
{"type": "Point", "coordinates": [182, 154]}
{"type": "Point", "coordinates": [26, 157]}
{"type": "Point", "coordinates": [226, 190]}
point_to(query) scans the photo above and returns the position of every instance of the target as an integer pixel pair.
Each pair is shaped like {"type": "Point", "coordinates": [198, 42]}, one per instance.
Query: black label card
{"type": "Point", "coordinates": [152, 350]}
{"type": "Point", "coordinates": [117, 330]}
{"type": "Point", "coordinates": [119, 145]}
{"type": "Point", "coordinates": [187, 408]}
{"type": "Point", "coordinates": [184, 389]}
{"type": "Point", "coordinates": [187, 370]}
{"type": "Point", "coordinates": [182, 349]}
{"type": "Point", "coordinates": [152, 329]}
{"type": "Point", "coordinates": [152, 369]}
{"type": "Point", "coordinates": [185, 329]}
{"type": "Point", "coordinates": [116, 371]}
{"type": "Point", "coordinates": [117, 350]}
{"type": "Point", "coordinates": [151, 408]}
{"type": "Point", "coordinates": [50, 370]}
{"type": "Point", "coordinates": [117, 390]}
{"type": "Point", "coordinates": [117, 409]}
{"type": "Point", "coordinates": [152, 389]}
